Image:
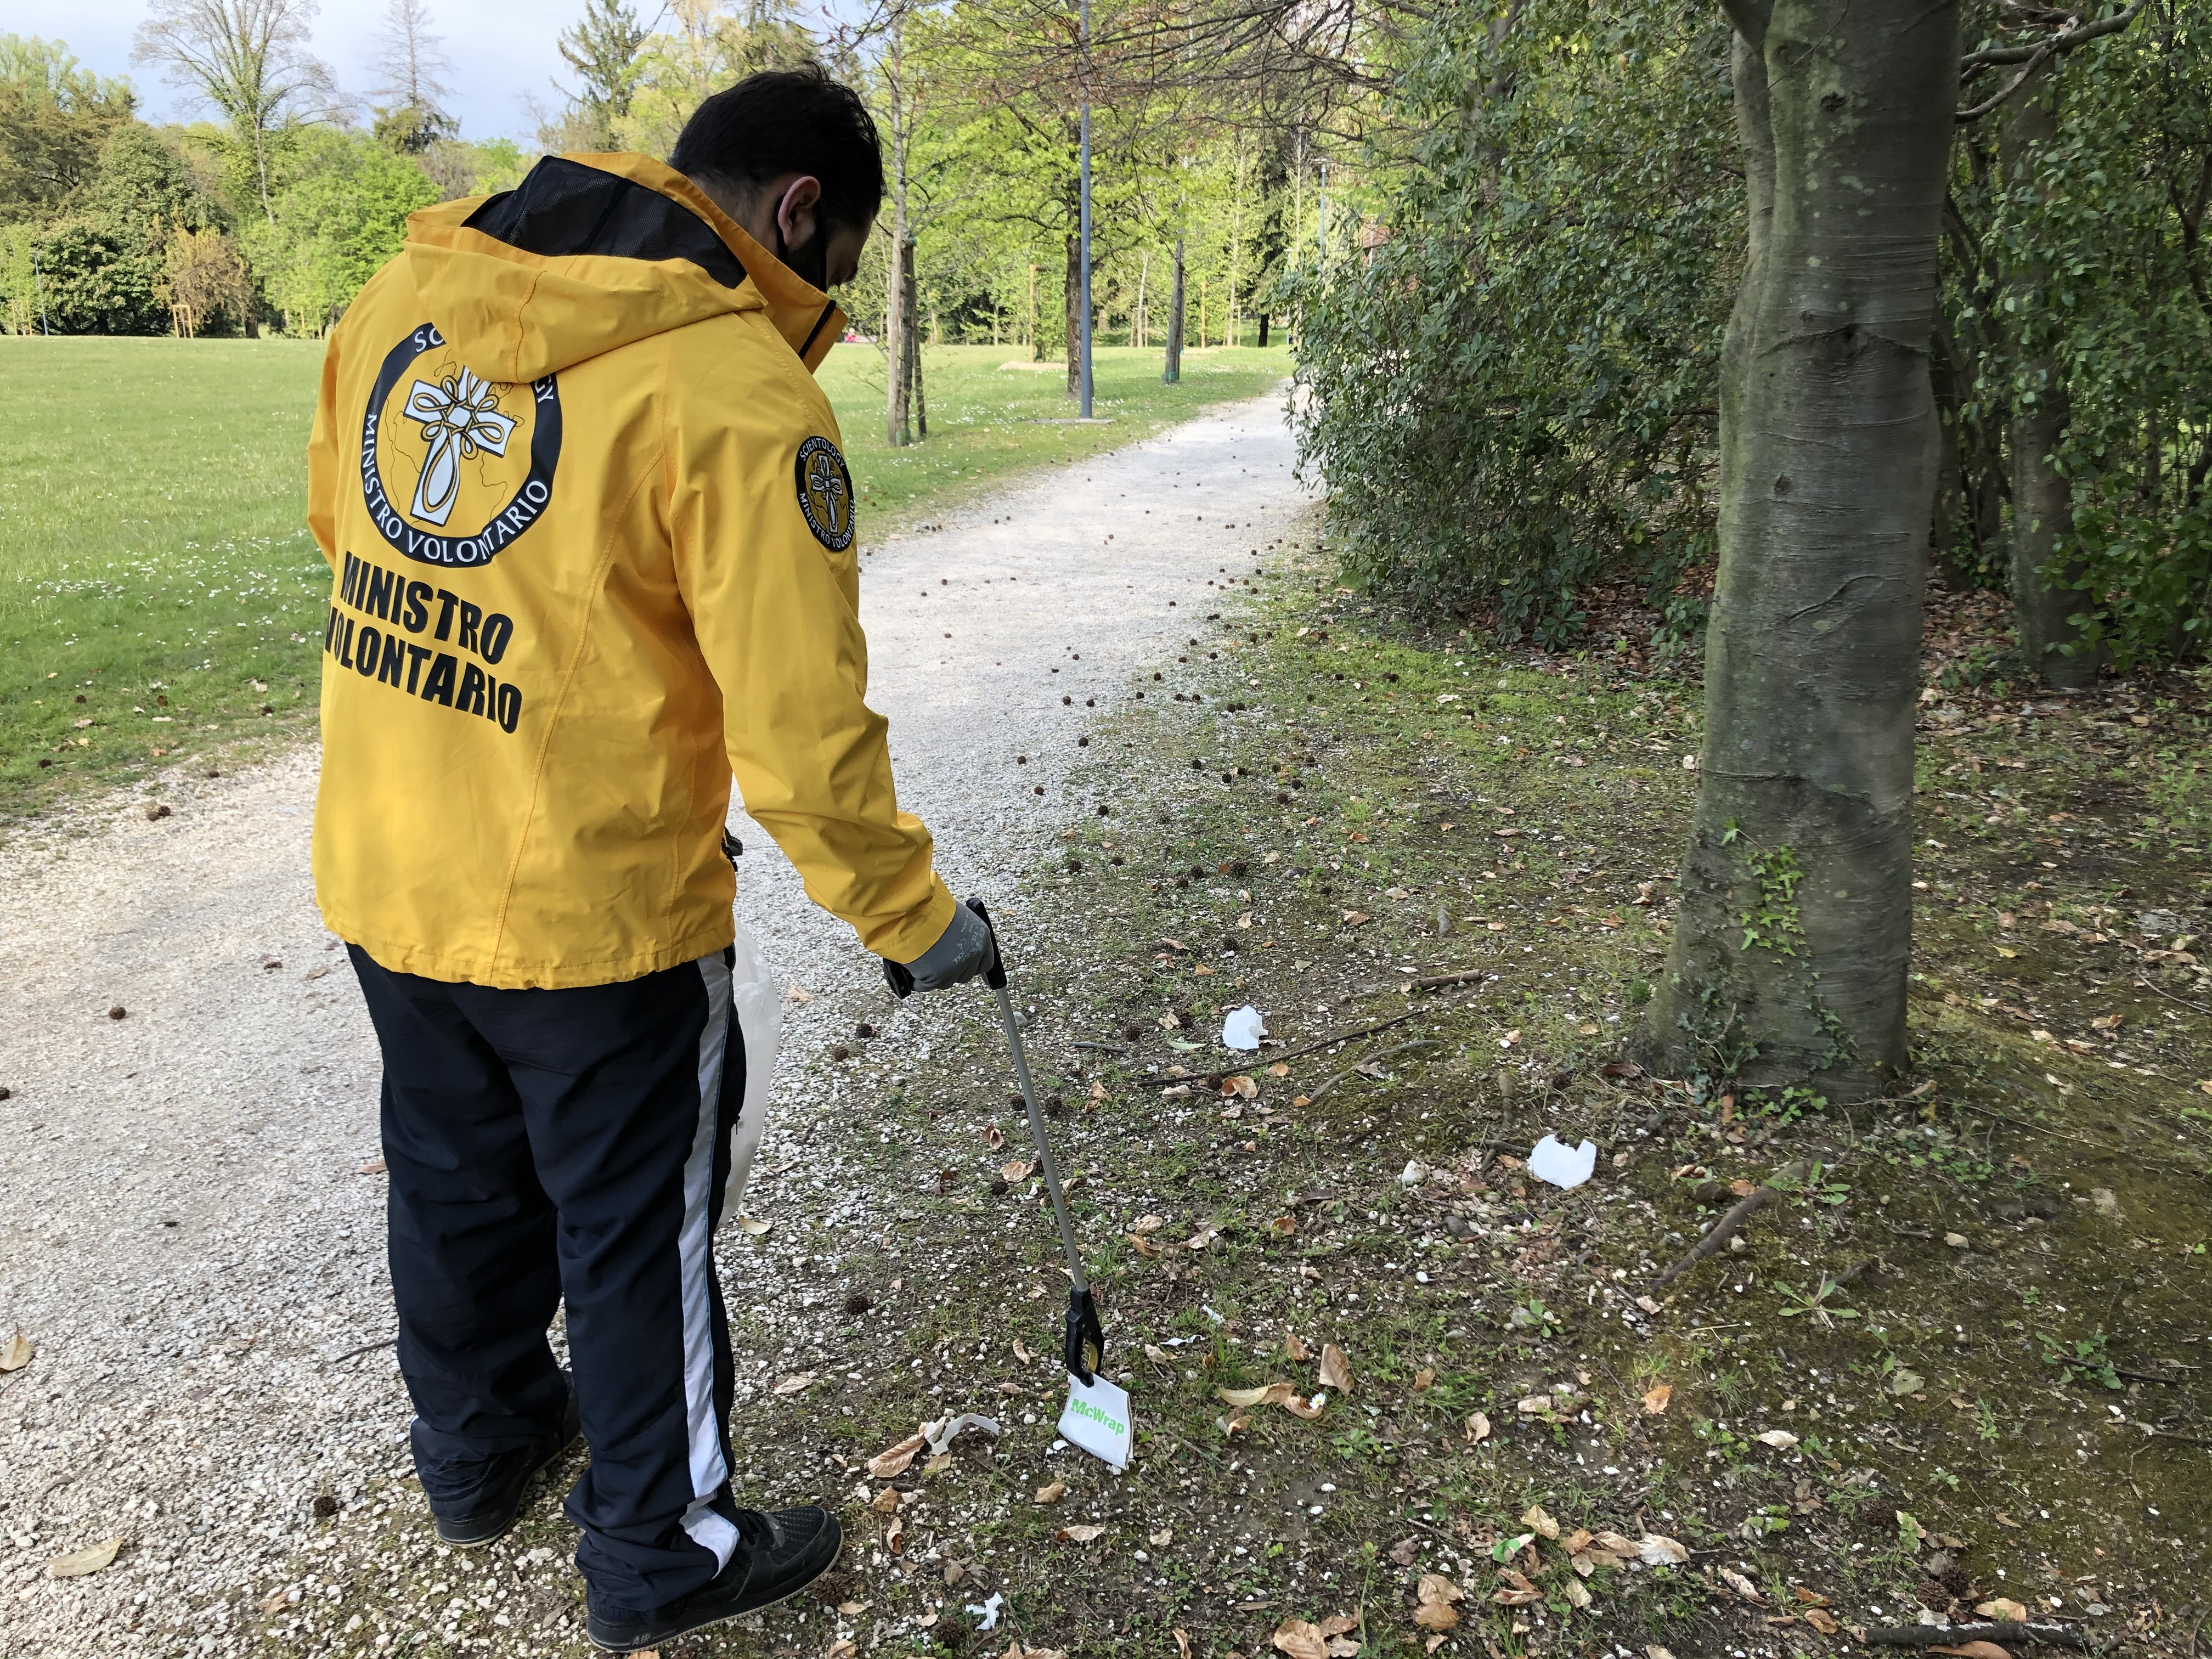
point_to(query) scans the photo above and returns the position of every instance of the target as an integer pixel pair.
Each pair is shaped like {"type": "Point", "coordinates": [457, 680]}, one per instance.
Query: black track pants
{"type": "Point", "coordinates": [551, 1145]}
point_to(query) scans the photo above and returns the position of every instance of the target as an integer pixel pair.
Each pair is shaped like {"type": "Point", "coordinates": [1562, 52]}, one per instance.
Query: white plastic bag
{"type": "Point", "coordinates": [760, 1022]}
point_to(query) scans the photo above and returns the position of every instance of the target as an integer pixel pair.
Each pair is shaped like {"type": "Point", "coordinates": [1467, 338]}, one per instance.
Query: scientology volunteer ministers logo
{"type": "Point", "coordinates": [825, 493]}
{"type": "Point", "coordinates": [454, 467]}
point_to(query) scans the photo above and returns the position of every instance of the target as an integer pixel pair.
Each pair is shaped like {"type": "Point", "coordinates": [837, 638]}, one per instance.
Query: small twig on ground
{"type": "Point", "coordinates": [1102, 1047]}
{"type": "Point", "coordinates": [1929, 1636]}
{"type": "Point", "coordinates": [1347, 1037]}
{"type": "Point", "coordinates": [1435, 981]}
{"type": "Point", "coordinates": [2173, 1434]}
{"type": "Point", "coordinates": [1372, 1059]}
{"type": "Point", "coordinates": [1723, 1230]}
{"type": "Point", "coordinates": [368, 1347]}
{"type": "Point", "coordinates": [2078, 1140]}
{"type": "Point", "coordinates": [2148, 983]}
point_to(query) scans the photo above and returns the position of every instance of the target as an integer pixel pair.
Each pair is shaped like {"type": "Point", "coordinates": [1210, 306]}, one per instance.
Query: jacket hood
{"type": "Point", "coordinates": [590, 253]}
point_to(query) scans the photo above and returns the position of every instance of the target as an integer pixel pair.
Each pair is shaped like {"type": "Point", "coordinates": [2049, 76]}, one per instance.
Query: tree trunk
{"type": "Point", "coordinates": [1790, 955]}
{"type": "Point", "coordinates": [1138, 330]}
{"type": "Point", "coordinates": [896, 323]}
{"type": "Point", "coordinates": [1074, 314]}
{"type": "Point", "coordinates": [2046, 591]}
{"type": "Point", "coordinates": [911, 307]}
{"type": "Point", "coordinates": [1173, 372]}
{"type": "Point", "coordinates": [1263, 330]}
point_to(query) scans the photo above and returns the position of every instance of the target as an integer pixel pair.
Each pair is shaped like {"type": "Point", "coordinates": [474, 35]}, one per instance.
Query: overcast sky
{"type": "Point", "coordinates": [502, 51]}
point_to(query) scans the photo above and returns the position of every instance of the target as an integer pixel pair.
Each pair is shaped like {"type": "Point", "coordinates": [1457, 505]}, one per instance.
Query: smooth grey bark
{"type": "Point", "coordinates": [1173, 371]}
{"type": "Point", "coordinates": [1790, 951]}
{"type": "Point", "coordinates": [2047, 591]}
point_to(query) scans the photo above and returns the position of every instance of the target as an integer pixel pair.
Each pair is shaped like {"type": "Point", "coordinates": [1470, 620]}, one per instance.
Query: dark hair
{"type": "Point", "coordinates": [791, 120]}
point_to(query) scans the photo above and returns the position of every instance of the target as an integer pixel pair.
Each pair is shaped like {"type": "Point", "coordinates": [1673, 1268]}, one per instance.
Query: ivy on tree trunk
{"type": "Point", "coordinates": [1791, 947]}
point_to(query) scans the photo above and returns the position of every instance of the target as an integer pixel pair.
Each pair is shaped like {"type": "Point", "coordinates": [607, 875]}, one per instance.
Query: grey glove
{"type": "Point", "coordinates": [961, 952]}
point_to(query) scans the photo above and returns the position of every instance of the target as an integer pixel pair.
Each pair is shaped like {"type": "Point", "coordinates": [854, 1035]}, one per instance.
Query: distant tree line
{"type": "Point", "coordinates": [267, 213]}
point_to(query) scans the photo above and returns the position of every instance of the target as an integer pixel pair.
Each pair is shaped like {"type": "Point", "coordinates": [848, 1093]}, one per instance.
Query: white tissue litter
{"type": "Point", "coordinates": [941, 1435]}
{"type": "Point", "coordinates": [1243, 1028]}
{"type": "Point", "coordinates": [989, 1613]}
{"type": "Point", "coordinates": [1561, 1165]}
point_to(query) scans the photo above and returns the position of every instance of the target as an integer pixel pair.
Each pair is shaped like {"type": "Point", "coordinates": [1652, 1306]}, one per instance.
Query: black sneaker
{"type": "Point", "coordinates": [791, 1548]}
{"type": "Point", "coordinates": [493, 1510]}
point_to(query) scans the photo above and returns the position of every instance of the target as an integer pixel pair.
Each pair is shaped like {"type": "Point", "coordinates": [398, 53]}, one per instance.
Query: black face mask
{"type": "Point", "coordinates": [808, 260]}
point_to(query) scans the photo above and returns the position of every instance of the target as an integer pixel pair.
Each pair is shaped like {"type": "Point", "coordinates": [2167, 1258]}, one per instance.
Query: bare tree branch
{"type": "Point", "coordinates": [2033, 58]}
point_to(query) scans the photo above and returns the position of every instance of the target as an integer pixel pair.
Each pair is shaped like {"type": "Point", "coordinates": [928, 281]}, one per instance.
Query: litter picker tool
{"type": "Point", "coordinates": [1097, 1415]}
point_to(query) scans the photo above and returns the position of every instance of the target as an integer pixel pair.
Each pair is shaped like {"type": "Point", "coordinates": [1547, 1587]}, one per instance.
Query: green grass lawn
{"type": "Point", "coordinates": [157, 582]}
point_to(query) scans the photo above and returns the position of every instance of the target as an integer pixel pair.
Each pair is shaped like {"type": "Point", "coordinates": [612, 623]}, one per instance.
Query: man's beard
{"type": "Point", "coordinates": [810, 259]}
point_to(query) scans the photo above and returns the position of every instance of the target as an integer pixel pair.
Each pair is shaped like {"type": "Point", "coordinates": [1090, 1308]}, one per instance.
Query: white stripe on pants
{"type": "Point", "coordinates": [696, 1252]}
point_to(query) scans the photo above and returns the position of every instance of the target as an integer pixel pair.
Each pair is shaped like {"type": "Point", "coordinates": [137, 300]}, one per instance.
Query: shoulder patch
{"type": "Point", "coordinates": [825, 493]}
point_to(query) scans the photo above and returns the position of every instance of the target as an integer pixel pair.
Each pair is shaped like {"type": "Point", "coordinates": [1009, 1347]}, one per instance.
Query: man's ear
{"type": "Point", "coordinates": [805, 191]}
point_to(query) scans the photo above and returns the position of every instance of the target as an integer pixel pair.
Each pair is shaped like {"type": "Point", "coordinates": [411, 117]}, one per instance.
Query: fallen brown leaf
{"type": "Point", "coordinates": [1477, 1426]}
{"type": "Point", "coordinates": [1080, 1535]}
{"type": "Point", "coordinates": [2003, 1609]}
{"type": "Point", "coordinates": [886, 1502]}
{"type": "Point", "coordinates": [16, 1352]}
{"type": "Point", "coordinates": [1294, 1347]}
{"type": "Point", "coordinates": [78, 1562]}
{"type": "Point", "coordinates": [1826, 1623]}
{"type": "Point", "coordinates": [1051, 1493]}
{"type": "Point", "coordinates": [1336, 1369]}
{"type": "Point", "coordinates": [1974, 1651]}
{"type": "Point", "coordinates": [1300, 1639]}
{"type": "Point", "coordinates": [795, 1384]}
{"type": "Point", "coordinates": [1810, 1598]}
{"type": "Point", "coordinates": [1537, 1520]}
{"type": "Point", "coordinates": [1741, 1585]}
{"type": "Point", "coordinates": [895, 1459]}
{"type": "Point", "coordinates": [1657, 1397]}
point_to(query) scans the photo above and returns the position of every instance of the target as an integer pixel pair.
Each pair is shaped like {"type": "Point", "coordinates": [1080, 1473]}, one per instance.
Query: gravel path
{"type": "Point", "coordinates": [189, 1238]}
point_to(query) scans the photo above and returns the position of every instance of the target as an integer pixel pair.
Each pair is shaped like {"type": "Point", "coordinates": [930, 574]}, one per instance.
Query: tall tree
{"type": "Point", "coordinates": [711, 45]}
{"type": "Point", "coordinates": [54, 117]}
{"type": "Point", "coordinates": [410, 58]}
{"type": "Point", "coordinates": [248, 58]}
{"type": "Point", "coordinates": [1790, 955]}
{"type": "Point", "coordinates": [602, 49]}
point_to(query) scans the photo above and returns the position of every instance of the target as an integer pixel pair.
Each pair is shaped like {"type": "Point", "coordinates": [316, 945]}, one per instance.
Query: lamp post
{"type": "Point", "coordinates": [1083, 236]}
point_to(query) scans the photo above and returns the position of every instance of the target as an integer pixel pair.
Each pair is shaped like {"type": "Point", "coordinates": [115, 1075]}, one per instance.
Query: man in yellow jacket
{"type": "Point", "coordinates": [593, 547]}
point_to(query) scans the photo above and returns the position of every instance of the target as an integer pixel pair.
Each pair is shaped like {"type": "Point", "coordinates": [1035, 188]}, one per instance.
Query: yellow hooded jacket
{"type": "Point", "coordinates": [592, 549]}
